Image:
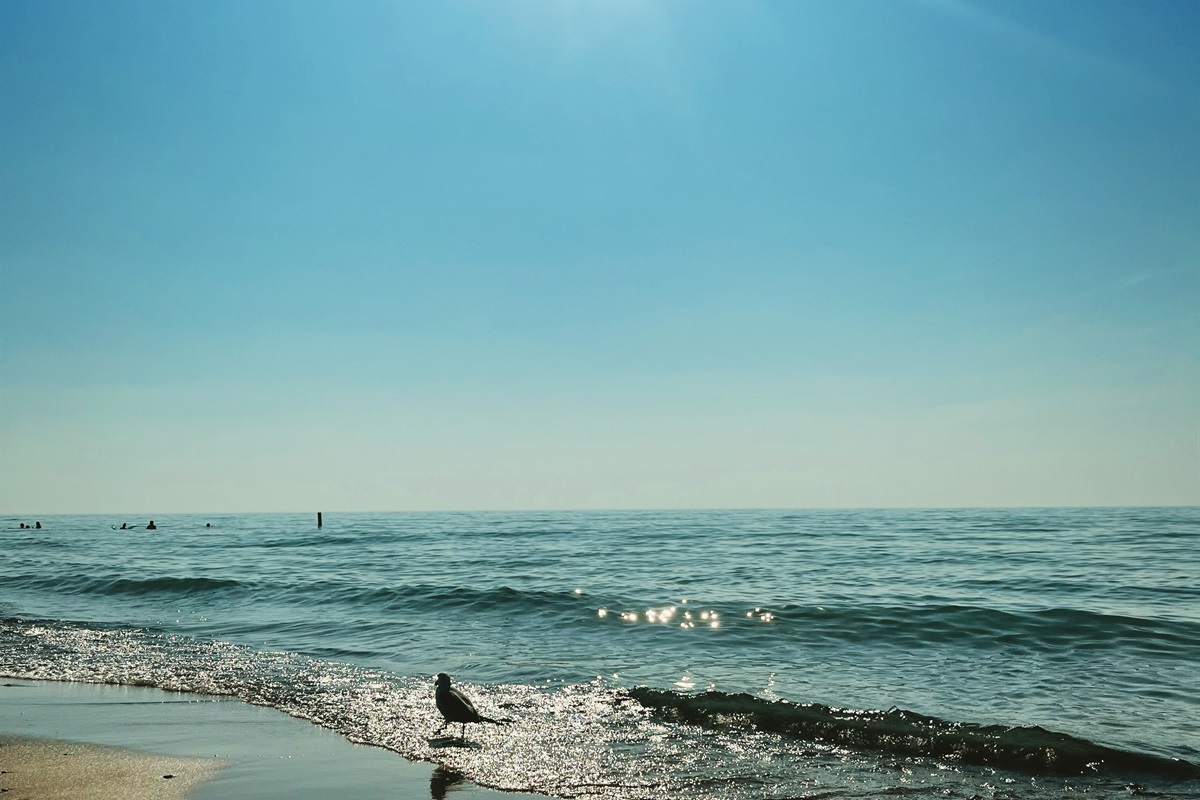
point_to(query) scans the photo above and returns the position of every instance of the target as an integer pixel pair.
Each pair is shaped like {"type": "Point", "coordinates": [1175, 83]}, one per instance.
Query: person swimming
{"type": "Point", "coordinates": [151, 526]}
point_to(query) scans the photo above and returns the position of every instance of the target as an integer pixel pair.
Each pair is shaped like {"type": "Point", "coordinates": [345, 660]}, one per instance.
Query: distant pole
{"type": "Point", "coordinates": [319, 519]}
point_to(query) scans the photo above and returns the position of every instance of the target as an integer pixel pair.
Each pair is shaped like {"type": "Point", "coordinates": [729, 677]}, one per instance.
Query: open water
{"type": "Point", "coordinates": [706, 654]}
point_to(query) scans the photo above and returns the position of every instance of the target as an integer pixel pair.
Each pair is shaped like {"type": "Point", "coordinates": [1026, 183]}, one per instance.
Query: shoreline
{"type": "Point", "coordinates": [82, 741]}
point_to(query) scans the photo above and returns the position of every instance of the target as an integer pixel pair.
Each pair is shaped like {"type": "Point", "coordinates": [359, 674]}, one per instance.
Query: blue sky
{"type": "Point", "coordinates": [480, 255]}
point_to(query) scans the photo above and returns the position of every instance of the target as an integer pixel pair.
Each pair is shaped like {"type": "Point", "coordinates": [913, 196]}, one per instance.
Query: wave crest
{"type": "Point", "coordinates": [1031, 750]}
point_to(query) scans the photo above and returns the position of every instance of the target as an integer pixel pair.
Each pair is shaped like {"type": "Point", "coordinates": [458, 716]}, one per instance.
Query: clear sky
{"type": "Point", "coordinates": [301, 256]}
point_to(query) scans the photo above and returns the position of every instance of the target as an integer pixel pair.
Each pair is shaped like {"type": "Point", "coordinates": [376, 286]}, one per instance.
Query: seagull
{"type": "Point", "coordinates": [457, 707]}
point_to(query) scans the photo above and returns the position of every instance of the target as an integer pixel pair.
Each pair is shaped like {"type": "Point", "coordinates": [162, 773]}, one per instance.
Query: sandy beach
{"type": "Point", "coordinates": [53, 768]}
{"type": "Point", "coordinates": [72, 741]}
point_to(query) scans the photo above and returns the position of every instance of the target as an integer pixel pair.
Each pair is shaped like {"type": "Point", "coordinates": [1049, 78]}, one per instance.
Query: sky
{"type": "Point", "coordinates": [284, 255]}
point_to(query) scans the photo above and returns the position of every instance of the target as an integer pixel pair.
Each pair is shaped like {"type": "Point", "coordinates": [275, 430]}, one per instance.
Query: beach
{"type": "Point", "coordinates": [53, 768]}
{"type": "Point", "coordinates": [73, 741]}
{"type": "Point", "coordinates": [715, 655]}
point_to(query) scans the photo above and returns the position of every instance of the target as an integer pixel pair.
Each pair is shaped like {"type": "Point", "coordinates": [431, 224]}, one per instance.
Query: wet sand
{"type": "Point", "coordinates": [72, 741]}
{"type": "Point", "coordinates": [51, 768]}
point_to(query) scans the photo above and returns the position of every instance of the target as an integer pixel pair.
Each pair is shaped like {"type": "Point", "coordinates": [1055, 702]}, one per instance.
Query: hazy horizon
{"type": "Point", "coordinates": [137, 519]}
{"type": "Point", "coordinates": [599, 255]}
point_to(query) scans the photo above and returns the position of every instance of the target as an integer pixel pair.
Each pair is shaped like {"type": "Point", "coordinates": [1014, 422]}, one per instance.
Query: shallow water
{"type": "Point", "coordinates": [768, 644]}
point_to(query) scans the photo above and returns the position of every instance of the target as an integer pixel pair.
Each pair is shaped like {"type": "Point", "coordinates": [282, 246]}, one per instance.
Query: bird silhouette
{"type": "Point", "coordinates": [457, 707]}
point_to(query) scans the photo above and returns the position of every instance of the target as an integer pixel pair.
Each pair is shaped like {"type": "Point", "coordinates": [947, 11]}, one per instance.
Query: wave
{"type": "Point", "coordinates": [1038, 629]}
{"type": "Point", "coordinates": [324, 592]}
{"type": "Point", "coordinates": [421, 597]}
{"type": "Point", "coordinates": [924, 622]}
{"type": "Point", "coordinates": [1032, 750]}
{"type": "Point", "coordinates": [596, 739]}
{"type": "Point", "coordinates": [138, 587]}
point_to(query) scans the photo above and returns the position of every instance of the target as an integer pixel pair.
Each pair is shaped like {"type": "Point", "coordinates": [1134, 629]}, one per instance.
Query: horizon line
{"type": "Point", "coordinates": [597, 510]}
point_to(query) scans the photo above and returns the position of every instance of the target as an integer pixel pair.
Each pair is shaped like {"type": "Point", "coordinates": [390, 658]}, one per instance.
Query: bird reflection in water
{"type": "Point", "coordinates": [443, 781]}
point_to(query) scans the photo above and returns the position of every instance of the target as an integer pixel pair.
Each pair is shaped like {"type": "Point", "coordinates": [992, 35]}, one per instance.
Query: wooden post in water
{"type": "Point", "coordinates": [319, 519]}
